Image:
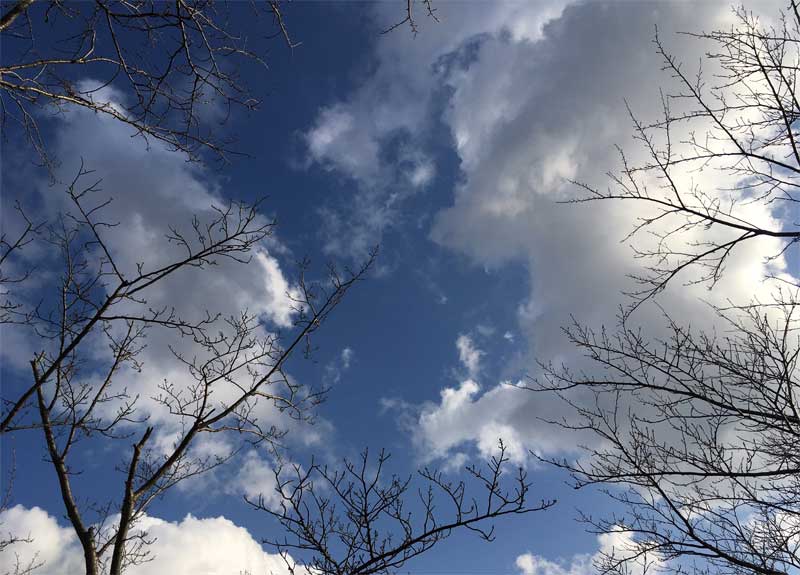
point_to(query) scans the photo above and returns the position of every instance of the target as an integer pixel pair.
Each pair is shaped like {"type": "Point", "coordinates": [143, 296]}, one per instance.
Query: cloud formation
{"type": "Point", "coordinates": [193, 545]}
{"type": "Point", "coordinates": [377, 135]}
{"type": "Point", "coordinates": [612, 547]}
{"type": "Point", "coordinates": [528, 108]}
{"type": "Point", "coordinates": [154, 190]}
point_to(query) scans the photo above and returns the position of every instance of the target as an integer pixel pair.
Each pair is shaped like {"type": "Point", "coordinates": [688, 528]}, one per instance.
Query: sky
{"type": "Point", "coordinates": [452, 148]}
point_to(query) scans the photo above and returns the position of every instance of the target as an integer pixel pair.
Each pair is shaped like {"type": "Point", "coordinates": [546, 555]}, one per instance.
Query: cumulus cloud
{"type": "Point", "coordinates": [377, 135]}
{"type": "Point", "coordinates": [612, 547]}
{"type": "Point", "coordinates": [468, 415]}
{"type": "Point", "coordinates": [146, 203]}
{"type": "Point", "coordinates": [334, 127]}
{"type": "Point", "coordinates": [255, 479]}
{"type": "Point", "coordinates": [154, 189]}
{"type": "Point", "coordinates": [529, 108]}
{"type": "Point", "coordinates": [41, 542]}
{"type": "Point", "coordinates": [526, 118]}
{"type": "Point", "coordinates": [193, 545]}
{"type": "Point", "coordinates": [530, 564]}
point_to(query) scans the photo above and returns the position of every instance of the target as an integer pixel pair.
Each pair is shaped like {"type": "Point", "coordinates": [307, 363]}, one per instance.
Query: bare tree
{"type": "Point", "coordinates": [698, 435]}
{"type": "Point", "coordinates": [354, 520]}
{"type": "Point", "coordinates": [172, 61]}
{"type": "Point", "coordinates": [697, 432]}
{"type": "Point", "coordinates": [9, 539]}
{"type": "Point", "coordinates": [164, 60]}
{"type": "Point", "coordinates": [743, 129]}
{"type": "Point", "coordinates": [155, 66]}
{"type": "Point", "coordinates": [11, 309]}
{"type": "Point", "coordinates": [358, 521]}
{"type": "Point", "coordinates": [74, 396]}
{"type": "Point", "coordinates": [410, 17]}
{"type": "Point", "coordinates": [175, 63]}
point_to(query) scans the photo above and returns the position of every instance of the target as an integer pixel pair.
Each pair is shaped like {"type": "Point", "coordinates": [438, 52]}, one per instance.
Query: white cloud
{"type": "Point", "coordinates": [469, 355]}
{"type": "Point", "coordinates": [42, 542]}
{"type": "Point", "coordinates": [153, 188]}
{"type": "Point", "coordinates": [465, 415]}
{"type": "Point", "coordinates": [336, 142]}
{"type": "Point", "coordinates": [528, 116]}
{"type": "Point", "coordinates": [211, 546]}
{"type": "Point", "coordinates": [530, 564]}
{"type": "Point", "coordinates": [615, 546]}
{"type": "Point", "coordinates": [255, 479]}
{"type": "Point", "coordinates": [376, 135]}
{"type": "Point", "coordinates": [534, 96]}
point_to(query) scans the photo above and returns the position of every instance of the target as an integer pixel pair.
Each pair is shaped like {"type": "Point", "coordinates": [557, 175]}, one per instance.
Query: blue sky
{"type": "Point", "coordinates": [450, 149]}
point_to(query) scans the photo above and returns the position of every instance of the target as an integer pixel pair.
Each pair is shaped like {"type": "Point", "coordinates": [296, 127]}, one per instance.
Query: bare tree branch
{"type": "Point", "coordinates": [358, 521]}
